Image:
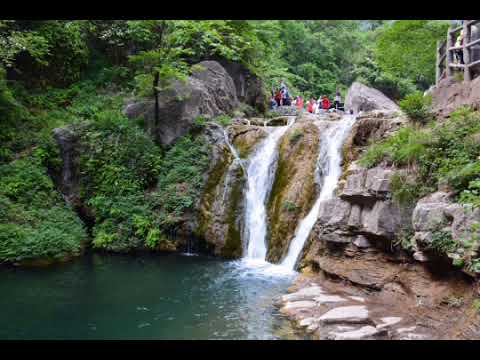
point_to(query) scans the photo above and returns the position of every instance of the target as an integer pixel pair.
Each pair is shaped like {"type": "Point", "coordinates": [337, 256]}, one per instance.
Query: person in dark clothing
{"type": "Point", "coordinates": [338, 100]}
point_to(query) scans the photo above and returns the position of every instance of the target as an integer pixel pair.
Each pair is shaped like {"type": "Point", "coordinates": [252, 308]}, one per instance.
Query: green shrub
{"type": "Point", "coordinates": [417, 106]}
{"type": "Point", "coordinates": [295, 136]}
{"type": "Point", "coordinates": [200, 121]}
{"type": "Point", "coordinates": [34, 221]}
{"type": "Point", "coordinates": [290, 206]}
{"type": "Point", "coordinates": [476, 305]}
{"type": "Point", "coordinates": [446, 152]}
{"type": "Point", "coordinates": [223, 120]}
{"type": "Point", "coordinates": [442, 242]}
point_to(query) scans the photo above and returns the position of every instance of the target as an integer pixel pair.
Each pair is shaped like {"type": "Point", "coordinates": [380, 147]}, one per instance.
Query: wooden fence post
{"type": "Point", "coordinates": [466, 51]}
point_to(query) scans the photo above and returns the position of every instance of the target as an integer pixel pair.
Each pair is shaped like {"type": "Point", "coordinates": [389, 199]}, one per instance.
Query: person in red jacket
{"type": "Point", "coordinates": [325, 103]}
{"type": "Point", "coordinates": [278, 98]}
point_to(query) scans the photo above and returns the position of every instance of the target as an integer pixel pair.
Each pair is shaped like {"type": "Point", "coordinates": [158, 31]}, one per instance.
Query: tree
{"type": "Point", "coordinates": [406, 49]}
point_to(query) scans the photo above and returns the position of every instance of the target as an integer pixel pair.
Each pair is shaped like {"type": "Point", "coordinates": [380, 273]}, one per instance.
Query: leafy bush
{"type": "Point", "coordinates": [290, 206]}
{"type": "Point", "coordinates": [443, 243]}
{"type": "Point", "coordinates": [34, 221]}
{"type": "Point", "coordinates": [446, 152]}
{"type": "Point", "coordinates": [223, 120]}
{"type": "Point", "coordinates": [417, 106]}
{"type": "Point", "coordinates": [476, 305]}
{"type": "Point", "coordinates": [181, 179]}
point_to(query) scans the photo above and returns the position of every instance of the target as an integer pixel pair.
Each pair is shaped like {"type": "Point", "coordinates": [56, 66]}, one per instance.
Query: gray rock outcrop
{"type": "Point", "coordinates": [436, 214]}
{"type": "Point", "coordinates": [449, 95]}
{"type": "Point", "coordinates": [250, 89]}
{"type": "Point", "coordinates": [208, 92]}
{"type": "Point", "coordinates": [363, 98]}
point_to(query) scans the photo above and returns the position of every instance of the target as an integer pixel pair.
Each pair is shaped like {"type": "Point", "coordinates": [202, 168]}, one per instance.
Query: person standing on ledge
{"type": "Point", "coordinates": [338, 99]}
{"type": "Point", "coordinates": [299, 103]}
{"type": "Point", "coordinates": [326, 103]}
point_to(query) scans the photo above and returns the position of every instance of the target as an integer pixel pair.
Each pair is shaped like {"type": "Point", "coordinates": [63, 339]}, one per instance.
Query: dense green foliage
{"type": "Point", "coordinates": [78, 73]}
{"type": "Point", "coordinates": [441, 153]}
{"type": "Point", "coordinates": [407, 49]}
{"type": "Point", "coordinates": [34, 221]}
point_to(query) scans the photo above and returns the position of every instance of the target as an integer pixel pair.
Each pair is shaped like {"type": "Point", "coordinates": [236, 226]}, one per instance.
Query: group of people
{"type": "Point", "coordinates": [282, 97]}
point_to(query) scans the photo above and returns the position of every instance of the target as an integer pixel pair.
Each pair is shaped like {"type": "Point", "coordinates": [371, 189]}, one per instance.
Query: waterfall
{"type": "Point", "coordinates": [328, 172]}
{"type": "Point", "coordinates": [260, 176]}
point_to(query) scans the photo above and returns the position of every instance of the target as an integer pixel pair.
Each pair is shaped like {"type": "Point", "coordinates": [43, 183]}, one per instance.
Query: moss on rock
{"type": "Point", "coordinates": [294, 184]}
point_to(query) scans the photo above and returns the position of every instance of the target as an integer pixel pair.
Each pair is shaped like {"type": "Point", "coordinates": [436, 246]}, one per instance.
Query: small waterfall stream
{"type": "Point", "coordinates": [260, 177]}
{"type": "Point", "coordinates": [327, 173]}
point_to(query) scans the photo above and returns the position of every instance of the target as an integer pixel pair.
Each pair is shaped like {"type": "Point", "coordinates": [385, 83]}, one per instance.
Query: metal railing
{"type": "Point", "coordinates": [446, 50]}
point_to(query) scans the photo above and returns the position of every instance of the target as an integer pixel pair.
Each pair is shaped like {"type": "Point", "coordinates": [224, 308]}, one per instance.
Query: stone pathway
{"type": "Point", "coordinates": [342, 317]}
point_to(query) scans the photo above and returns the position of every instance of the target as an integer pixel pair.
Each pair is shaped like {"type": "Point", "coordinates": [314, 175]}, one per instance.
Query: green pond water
{"type": "Point", "coordinates": [142, 297]}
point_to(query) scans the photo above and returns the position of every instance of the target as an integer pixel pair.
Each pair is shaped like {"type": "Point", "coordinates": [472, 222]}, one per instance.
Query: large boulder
{"type": "Point", "coordinates": [249, 87]}
{"type": "Point", "coordinates": [450, 94]}
{"type": "Point", "coordinates": [436, 218]}
{"type": "Point", "coordinates": [208, 92]}
{"type": "Point", "coordinates": [363, 98]}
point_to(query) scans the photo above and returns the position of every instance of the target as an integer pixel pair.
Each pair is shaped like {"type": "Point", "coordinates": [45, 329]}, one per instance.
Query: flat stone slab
{"type": "Point", "coordinates": [389, 321]}
{"type": "Point", "coordinates": [325, 299]}
{"type": "Point", "coordinates": [303, 294]}
{"type": "Point", "coordinates": [412, 336]}
{"type": "Point", "coordinates": [357, 298]}
{"type": "Point", "coordinates": [363, 332]}
{"type": "Point", "coordinates": [406, 329]}
{"type": "Point", "coordinates": [299, 305]}
{"type": "Point", "coordinates": [346, 314]}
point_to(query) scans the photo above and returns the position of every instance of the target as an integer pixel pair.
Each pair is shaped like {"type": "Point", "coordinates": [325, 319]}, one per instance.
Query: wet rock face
{"type": "Point", "coordinates": [218, 216]}
{"type": "Point", "coordinates": [293, 190]}
{"type": "Point", "coordinates": [363, 98]}
{"type": "Point", "coordinates": [246, 137]}
{"type": "Point", "coordinates": [208, 92]}
{"type": "Point", "coordinates": [68, 178]}
{"type": "Point", "coordinates": [67, 140]}
{"type": "Point", "coordinates": [450, 95]}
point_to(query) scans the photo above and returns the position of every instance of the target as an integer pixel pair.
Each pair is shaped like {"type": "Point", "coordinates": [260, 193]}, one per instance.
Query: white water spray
{"type": "Point", "coordinates": [328, 172]}
{"type": "Point", "coordinates": [260, 174]}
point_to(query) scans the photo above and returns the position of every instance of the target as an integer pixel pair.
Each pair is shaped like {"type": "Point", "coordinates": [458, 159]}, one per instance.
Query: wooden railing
{"type": "Point", "coordinates": [446, 64]}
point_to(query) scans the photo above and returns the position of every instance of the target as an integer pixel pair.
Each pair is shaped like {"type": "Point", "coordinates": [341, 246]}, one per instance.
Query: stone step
{"type": "Point", "coordinates": [325, 299]}
{"type": "Point", "coordinates": [303, 294]}
{"type": "Point", "coordinates": [358, 334]}
{"type": "Point", "coordinates": [346, 314]}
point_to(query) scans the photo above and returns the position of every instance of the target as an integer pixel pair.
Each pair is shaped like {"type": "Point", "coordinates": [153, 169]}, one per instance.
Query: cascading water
{"type": "Point", "coordinates": [327, 174]}
{"type": "Point", "coordinates": [260, 176]}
